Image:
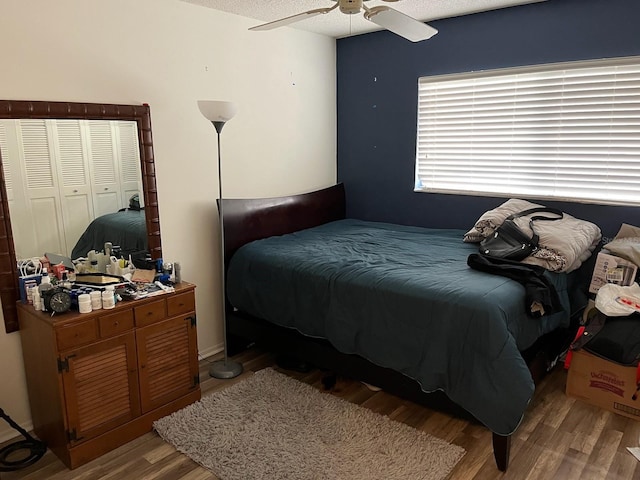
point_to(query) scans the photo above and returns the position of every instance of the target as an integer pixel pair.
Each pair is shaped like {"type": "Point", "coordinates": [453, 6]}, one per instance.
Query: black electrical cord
{"type": "Point", "coordinates": [32, 449]}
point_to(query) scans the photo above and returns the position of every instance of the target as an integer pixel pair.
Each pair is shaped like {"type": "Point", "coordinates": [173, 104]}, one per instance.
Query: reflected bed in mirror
{"type": "Point", "coordinates": [128, 125]}
{"type": "Point", "coordinates": [125, 230]}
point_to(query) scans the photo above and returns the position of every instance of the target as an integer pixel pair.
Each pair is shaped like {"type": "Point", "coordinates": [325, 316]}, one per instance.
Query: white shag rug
{"type": "Point", "coordinates": [271, 426]}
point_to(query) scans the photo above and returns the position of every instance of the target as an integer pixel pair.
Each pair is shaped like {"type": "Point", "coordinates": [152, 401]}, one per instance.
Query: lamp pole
{"type": "Point", "coordinates": [219, 113]}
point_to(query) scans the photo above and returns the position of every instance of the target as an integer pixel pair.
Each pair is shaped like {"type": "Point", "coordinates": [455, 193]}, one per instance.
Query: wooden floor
{"type": "Point", "coordinates": [560, 438]}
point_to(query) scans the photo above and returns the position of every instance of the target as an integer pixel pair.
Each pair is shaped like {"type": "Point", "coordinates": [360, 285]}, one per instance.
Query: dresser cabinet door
{"type": "Point", "coordinates": [168, 360]}
{"type": "Point", "coordinates": [100, 387]}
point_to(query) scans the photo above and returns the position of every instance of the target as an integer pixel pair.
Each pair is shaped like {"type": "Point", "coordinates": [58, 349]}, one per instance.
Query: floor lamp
{"type": "Point", "coordinates": [218, 113]}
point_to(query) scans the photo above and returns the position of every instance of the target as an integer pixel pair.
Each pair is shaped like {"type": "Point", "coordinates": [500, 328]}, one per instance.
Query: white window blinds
{"type": "Point", "coordinates": [562, 131]}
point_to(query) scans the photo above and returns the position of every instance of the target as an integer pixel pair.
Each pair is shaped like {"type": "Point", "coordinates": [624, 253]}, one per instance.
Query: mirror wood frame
{"type": "Point", "coordinates": [17, 109]}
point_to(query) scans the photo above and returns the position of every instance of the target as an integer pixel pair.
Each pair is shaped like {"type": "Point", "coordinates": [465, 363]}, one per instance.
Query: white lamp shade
{"type": "Point", "coordinates": [217, 111]}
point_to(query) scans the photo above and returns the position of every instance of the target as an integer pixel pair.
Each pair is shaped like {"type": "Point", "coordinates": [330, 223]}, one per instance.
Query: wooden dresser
{"type": "Point", "coordinates": [98, 380]}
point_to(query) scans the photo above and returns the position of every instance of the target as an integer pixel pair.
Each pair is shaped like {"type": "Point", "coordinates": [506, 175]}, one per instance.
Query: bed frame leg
{"type": "Point", "coordinates": [501, 449]}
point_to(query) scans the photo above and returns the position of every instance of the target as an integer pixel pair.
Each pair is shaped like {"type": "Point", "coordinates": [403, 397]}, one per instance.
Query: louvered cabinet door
{"type": "Point", "coordinates": [168, 361]}
{"type": "Point", "coordinates": [100, 387]}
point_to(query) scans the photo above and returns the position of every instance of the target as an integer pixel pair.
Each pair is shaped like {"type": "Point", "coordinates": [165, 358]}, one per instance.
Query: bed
{"type": "Point", "coordinates": [126, 228]}
{"type": "Point", "coordinates": [396, 306]}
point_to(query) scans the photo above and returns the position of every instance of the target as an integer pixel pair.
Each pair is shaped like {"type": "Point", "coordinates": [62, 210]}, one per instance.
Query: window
{"type": "Point", "coordinates": [562, 131]}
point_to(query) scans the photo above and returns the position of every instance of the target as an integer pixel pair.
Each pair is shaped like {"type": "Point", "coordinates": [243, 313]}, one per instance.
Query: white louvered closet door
{"type": "Point", "coordinates": [3, 156]}
{"type": "Point", "coordinates": [11, 171]}
{"type": "Point", "coordinates": [104, 170]}
{"type": "Point", "coordinates": [53, 206]}
{"type": "Point", "coordinates": [76, 199]}
{"type": "Point", "coordinates": [129, 155]}
{"type": "Point", "coordinates": [41, 229]}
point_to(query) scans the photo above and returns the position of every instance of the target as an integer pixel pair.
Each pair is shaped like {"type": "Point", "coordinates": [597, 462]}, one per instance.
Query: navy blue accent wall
{"type": "Point", "coordinates": [377, 94]}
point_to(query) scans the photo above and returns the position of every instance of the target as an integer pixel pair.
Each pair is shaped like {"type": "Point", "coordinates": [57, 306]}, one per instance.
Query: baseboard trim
{"type": "Point", "coordinates": [210, 352]}
{"type": "Point", "coordinates": [9, 433]}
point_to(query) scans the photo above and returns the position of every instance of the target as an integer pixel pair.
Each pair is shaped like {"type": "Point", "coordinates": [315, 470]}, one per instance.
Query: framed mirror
{"type": "Point", "coordinates": [140, 114]}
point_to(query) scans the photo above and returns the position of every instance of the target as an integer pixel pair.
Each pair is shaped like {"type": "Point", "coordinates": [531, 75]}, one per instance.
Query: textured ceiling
{"type": "Point", "coordinates": [336, 24]}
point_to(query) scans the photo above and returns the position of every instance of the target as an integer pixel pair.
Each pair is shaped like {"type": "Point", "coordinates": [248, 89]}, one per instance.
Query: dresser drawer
{"type": "Point", "coordinates": [77, 333]}
{"type": "Point", "coordinates": [115, 323]}
{"type": "Point", "coordinates": [181, 303]}
{"type": "Point", "coordinates": [150, 313]}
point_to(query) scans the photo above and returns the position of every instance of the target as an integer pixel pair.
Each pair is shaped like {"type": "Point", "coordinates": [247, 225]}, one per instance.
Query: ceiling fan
{"type": "Point", "coordinates": [388, 18]}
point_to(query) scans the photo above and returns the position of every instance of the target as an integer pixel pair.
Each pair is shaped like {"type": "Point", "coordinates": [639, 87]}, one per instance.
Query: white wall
{"type": "Point", "coordinates": [169, 54]}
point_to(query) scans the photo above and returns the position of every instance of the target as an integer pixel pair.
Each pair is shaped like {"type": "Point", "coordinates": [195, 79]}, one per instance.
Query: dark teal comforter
{"type": "Point", "coordinates": [404, 298]}
{"type": "Point", "coordinates": [126, 228]}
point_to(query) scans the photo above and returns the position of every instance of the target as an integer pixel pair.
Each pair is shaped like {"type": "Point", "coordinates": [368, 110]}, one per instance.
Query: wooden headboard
{"type": "Point", "coordinates": [246, 220]}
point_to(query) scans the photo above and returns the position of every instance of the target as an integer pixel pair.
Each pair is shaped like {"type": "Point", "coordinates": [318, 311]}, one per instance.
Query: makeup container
{"type": "Point", "coordinates": [96, 299]}
{"type": "Point", "coordinates": [84, 303]}
{"type": "Point", "coordinates": [109, 297]}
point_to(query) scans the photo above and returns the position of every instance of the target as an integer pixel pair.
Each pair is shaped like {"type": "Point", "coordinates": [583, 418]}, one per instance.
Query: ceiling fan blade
{"type": "Point", "coordinates": [293, 18]}
{"type": "Point", "coordinates": [399, 23]}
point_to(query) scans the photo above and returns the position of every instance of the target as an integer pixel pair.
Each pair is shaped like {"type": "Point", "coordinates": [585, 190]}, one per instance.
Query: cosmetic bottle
{"type": "Point", "coordinates": [93, 261]}
{"type": "Point", "coordinates": [177, 273]}
{"type": "Point", "coordinates": [102, 262]}
{"type": "Point", "coordinates": [109, 297]}
{"type": "Point", "coordinates": [45, 284]}
{"type": "Point", "coordinates": [35, 298]}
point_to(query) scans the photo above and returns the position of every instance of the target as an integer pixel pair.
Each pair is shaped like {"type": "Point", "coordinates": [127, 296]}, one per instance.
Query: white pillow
{"type": "Point", "coordinates": [564, 244]}
{"type": "Point", "coordinates": [492, 219]}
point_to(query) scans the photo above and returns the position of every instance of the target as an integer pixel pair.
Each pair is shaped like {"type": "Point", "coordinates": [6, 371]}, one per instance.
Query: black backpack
{"type": "Point", "coordinates": [618, 339]}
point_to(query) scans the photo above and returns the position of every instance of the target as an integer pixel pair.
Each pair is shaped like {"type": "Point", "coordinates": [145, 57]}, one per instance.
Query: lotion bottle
{"type": "Point", "coordinates": [45, 284]}
{"type": "Point", "coordinates": [37, 302]}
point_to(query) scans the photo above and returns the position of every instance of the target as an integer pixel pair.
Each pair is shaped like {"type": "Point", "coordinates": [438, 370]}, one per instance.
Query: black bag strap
{"type": "Point", "coordinates": [524, 213]}
{"type": "Point", "coordinates": [535, 237]}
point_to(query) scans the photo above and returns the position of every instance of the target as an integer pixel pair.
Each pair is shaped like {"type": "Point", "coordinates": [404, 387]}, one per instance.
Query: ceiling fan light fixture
{"type": "Point", "coordinates": [350, 7]}
{"type": "Point", "coordinates": [399, 23]}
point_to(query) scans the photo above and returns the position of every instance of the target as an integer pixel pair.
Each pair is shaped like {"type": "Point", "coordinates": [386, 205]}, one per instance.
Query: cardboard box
{"type": "Point", "coordinates": [604, 384]}
{"type": "Point", "coordinates": [612, 269]}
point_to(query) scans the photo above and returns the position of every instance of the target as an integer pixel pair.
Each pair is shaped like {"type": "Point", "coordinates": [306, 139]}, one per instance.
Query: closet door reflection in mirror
{"type": "Point", "coordinates": [62, 174]}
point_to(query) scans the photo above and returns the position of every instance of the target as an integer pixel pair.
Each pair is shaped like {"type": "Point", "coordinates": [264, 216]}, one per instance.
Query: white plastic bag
{"type": "Point", "coordinates": [607, 299]}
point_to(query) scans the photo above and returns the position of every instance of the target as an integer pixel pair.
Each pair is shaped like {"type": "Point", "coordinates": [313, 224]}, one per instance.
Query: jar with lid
{"type": "Point", "coordinates": [109, 297]}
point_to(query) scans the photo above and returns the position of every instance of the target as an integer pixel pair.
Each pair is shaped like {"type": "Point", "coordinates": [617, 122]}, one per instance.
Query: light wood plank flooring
{"type": "Point", "coordinates": [560, 438]}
